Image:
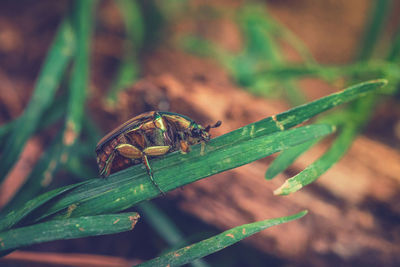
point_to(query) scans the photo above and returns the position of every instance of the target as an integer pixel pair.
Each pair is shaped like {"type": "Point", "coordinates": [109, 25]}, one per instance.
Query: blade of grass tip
{"type": "Point", "coordinates": [216, 243]}
{"type": "Point", "coordinates": [379, 12]}
{"type": "Point", "coordinates": [82, 19]}
{"type": "Point", "coordinates": [316, 169]}
{"type": "Point", "coordinates": [48, 81]}
{"type": "Point", "coordinates": [287, 157]}
{"type": "Point", "coordinates": [357, 115]}
{"type": "Point", "coordinates": [304, 112]}
{"type": "Point", "coordinates": [131, 186]}
{"type": "Point", "coordinates": [163, 225]}
{"type": "Point", "coordinates": [15, 216]}
{"type": "Point", "coordinates": [68, 229]}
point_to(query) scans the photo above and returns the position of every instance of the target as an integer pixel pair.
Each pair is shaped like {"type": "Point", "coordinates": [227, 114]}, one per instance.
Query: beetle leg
{"type": "Point", "coordinates": [107, 166]}
{"type": "Point", "coordinates": [185, 148]}
{"type": "Point", "coordinates": [133, 152]}
{"type": "Point", "coordinates": [156, 150]}
{"type": "Point", "coordinates": [150, 172]}
{"type": "Point", "coordinates": [129, 151]}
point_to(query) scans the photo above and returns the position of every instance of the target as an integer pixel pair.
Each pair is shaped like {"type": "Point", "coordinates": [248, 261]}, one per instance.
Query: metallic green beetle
{"type": "Point", "coordinates": [148, 135]}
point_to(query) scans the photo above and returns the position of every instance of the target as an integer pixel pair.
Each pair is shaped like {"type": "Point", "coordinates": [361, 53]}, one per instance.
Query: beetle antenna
{"type": "Point", "coordinates": [217, 124]}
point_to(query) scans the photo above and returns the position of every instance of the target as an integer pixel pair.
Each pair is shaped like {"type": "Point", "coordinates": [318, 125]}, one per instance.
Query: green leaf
{"type": "Point", "coordinates": [378, 14]}
{"type": "Point", "coordinates": [14, 217]}
{"type": "Point", "coordinates": [251, 142]}
{"type": "Point", "coordinates": [316, 169]}
{"type": "Point", "coordinates": [43, 95]}
{"type": "Point", "coordinates": [287, 157]}
{"type": "Point", "coordinates": [82, 14]}
{"type": "Point", "coordinates": [165, 227]}
{"type": "Point", "coordinates": [216, 243]}
{"type": "Point", "coordinates": [68, 229]}
{"type": "Point", "coordinates": [132, 185]}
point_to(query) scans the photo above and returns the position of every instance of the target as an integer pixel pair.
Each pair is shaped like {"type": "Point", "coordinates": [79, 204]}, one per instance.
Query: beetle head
{"type": "Point", "coordinates": [201, 133]}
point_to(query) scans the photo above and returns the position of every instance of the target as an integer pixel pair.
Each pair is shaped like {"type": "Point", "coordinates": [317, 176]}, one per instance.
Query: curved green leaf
{"type": "Point", "coordinates": [131, 186]}
{"type": "Point", "coordinates": [14, 217]}
{"type": "Point", "coordinates": [68, 229]}
{"type": "Point", "coordinates": [216, 243]}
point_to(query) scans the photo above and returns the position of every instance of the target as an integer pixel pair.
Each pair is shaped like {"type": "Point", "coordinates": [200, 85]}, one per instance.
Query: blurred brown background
{"type": "Point", "coordinates": [353, 215]}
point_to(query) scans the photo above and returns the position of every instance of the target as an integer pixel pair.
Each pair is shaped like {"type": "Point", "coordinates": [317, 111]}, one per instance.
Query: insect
{"type": "Point", "coordinates": [145, 136]}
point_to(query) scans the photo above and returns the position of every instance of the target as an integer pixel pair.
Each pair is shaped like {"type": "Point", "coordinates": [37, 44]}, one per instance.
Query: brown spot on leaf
{"type": "Point", "coordinates": [81, 229]}
{"type": "Point", "coordinates": [278, 123]}
{"type": "Point", "coordinates": [134, 220]}
{"type": "Point", "coordinates": [230, 235]}
{"type": "Point", "coordinates": [71, 209]}
{"type": "Point", "coordinates": [117, 220]}
{"type": "Point", "coordinates": [244, 231]}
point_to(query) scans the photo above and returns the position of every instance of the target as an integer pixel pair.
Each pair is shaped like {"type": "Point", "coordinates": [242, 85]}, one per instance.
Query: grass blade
{"type": "Point", "coordinates": [287, 157]}
{"type": "Point", "coordinates": [82, 21]}
{"type": "Point", "coordinates": [68, 229]}
{"type": "Point", "coordinates": [251, 142]}
{"type": "Point", "coordinates": [160, 222]}
{"type": "Point", "coordinates": [379, 13]}
{"type": "Point", "coordinates": [14, 217]}
{"type": "Point", "coordinates": [48, 81]}
{"type": "Point", "coordinates": [316, 169]}
{"type": "Point", "coordinates": [216, 243]}
{"type": "Point", "coordinates": [131, 186]}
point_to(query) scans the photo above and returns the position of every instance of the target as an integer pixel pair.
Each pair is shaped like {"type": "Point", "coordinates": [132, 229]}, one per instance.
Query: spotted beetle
{"type": "Point", "coordinates": [145, 136]}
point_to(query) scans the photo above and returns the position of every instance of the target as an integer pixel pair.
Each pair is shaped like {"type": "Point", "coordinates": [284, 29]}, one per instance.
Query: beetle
{"type": "Point", "coordinates": [145, 136]}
